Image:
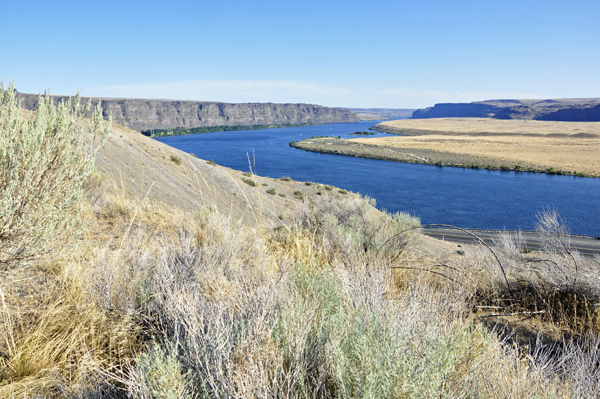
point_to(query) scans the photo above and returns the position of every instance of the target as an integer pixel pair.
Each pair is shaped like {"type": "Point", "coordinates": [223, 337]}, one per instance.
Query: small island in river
{"type": "Point", "coordinates": [570, 148]}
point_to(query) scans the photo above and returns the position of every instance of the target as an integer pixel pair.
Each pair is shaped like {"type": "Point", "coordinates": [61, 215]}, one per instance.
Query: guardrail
{"type": "Point", "coordinates": [496, 231]}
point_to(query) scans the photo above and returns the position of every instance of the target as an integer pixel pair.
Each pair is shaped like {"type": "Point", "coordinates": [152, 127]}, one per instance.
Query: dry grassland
{"type": "Point", "coordinates": [178, 290]}
{"type": "Point", "coordinates": [570, 146]}
{"type": "Point", "coordinates": [487, 126]}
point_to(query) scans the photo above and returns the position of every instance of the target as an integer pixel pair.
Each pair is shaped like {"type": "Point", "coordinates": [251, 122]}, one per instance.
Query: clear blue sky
{"type": "Point", "coordinates": [339, 53]}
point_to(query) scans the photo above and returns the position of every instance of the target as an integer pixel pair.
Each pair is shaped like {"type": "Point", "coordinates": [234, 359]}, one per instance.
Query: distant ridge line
{"type": "Point", "coordinates": [144, 114]}
{"type": "Point", "coordinates": [566, 109]}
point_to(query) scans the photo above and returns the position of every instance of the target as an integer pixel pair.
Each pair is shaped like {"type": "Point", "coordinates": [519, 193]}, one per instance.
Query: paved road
{"type": "Point", "coordinates": [585, 246]}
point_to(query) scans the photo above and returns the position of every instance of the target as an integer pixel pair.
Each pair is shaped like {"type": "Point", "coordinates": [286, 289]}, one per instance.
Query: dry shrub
{"type": "Point", "coordinates": [560, 285]}
{"type": "Point", "coordinates": [236, 321]}
{"type": "Point", "coordinates": [353, 231]}
{"type": "Point", "coordinates": [184, 305]}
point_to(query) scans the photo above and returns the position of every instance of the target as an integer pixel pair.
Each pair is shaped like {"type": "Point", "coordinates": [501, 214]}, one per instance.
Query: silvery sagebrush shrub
{"type": "Point", "coordinates": [44, 161]}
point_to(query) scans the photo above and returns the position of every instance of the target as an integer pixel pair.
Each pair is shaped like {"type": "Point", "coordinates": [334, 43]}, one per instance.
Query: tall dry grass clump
{"type": "Point", "coordinates": [558, 285]}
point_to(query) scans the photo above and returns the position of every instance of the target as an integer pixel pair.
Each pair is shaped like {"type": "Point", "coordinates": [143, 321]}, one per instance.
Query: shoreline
{"type": "Point", "coordinates": [424, 156]}
{"type": "Point", "coordinates": [182, 131]}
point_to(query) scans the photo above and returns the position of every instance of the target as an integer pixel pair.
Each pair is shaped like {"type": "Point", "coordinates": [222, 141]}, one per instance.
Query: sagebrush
{"type": "Point", "coordinates": [44, 162]}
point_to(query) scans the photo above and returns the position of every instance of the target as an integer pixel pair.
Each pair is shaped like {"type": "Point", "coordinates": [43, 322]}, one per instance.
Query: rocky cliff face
{"type": "Point", "coordinates": [142, 114]}
{"type": "Point", "coordinates": [451, 110]}
{"type": "Point", "coordinates": [573, 110]}
{"type": "Point", "coordinates": [382, 113]}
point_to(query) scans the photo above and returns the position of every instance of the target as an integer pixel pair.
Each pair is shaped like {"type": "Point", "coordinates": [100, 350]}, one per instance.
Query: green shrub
{"type": "Point", "coordinates": [285, 178]}
{"type": "Point", "coordinates": [343, 192]}
{"type": "Point", "coordinates": [281, 195]}
{"type": "Point", "coordinates": [365, 133]}
{"type": "Point", "coordinates": [160, 375]}
{"type": "Point", "coordinates": [176, 159]}
{"type": "Point", "coordinates": [196, 156]}
{"type": "Point", "coordinates": [298, 193]}
{"type": "Point", "coordinates": [249, 182]}
{"type": "Point", "coordinates": [211, 162]}
{"type": "Point", "coordinates": [271, 191]}
{"type": "Point", "coordinates": [43, 165]}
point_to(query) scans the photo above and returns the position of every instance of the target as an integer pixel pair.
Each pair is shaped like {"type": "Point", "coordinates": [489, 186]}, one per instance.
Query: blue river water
{"type": "Point", "coordinates": [462, 197]}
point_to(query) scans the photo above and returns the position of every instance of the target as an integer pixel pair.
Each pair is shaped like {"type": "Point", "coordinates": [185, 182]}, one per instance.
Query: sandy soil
{"type": "Point", "coordinates": [568, 146]}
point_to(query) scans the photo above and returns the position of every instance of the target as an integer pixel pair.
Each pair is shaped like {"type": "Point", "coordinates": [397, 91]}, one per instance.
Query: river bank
{"type": "Point", "coordinates": [488, 199]}
{"type": "Point", "coordinates": [361, 149]}
{"type": "Point", "coordinates": [571, 148]}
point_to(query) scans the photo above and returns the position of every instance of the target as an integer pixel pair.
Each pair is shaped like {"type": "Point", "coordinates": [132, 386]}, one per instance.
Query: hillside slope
{"type": "Point", "coordinates": [141, 114]}
{"type": "Point", "coordinates": [141, 167]}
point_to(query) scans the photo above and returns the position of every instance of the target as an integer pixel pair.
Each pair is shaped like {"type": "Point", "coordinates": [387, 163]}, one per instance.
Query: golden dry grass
{"type": "Point", "coordinates": [486, 126]}
{"type": "Point", "coordinates": [572, 146]}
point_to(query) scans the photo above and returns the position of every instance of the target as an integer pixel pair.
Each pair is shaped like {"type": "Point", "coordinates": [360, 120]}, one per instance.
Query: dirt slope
{"type": "Point", "coordinates": [142, 167]}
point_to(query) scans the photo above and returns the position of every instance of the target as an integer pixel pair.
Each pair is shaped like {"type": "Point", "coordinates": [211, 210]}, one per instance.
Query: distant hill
{"type": "Point", "coordinates": [569, 109]}
{"type": "Point", "coordinates": [144, 114]}
{"type": "Point", "coordinates": [373, 114]}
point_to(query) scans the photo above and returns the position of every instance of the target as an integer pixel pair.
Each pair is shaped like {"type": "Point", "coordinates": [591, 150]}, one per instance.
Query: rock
{"type": "Point", "coordinates": [572, 110]}
{"type": "Point", "coordinates": [140, 114]}
{"type": "Point", "coordinates": [449, 110]}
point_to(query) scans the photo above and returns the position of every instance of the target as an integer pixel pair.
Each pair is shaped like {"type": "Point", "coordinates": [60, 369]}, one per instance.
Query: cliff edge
{"type": "Point", "coordinates": [143, 114]}
{"type": "Point", "coordinates": [569, 109]}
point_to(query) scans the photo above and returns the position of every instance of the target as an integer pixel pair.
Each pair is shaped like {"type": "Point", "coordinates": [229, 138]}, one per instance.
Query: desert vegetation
{"type": "Point", "coordinates": [179, 131]}
{"type": "Point", "coordinates": [144, 300]}
{"type": "Point", "coordinates": [176, 159]}
{"type": "Point", "coordinates": [541, 146]}
{"type": "Point", "coordinates": [363, 133]}
{"type": "Point", "coordinates": [468, 152]}
{"type": "Point", "coordinates": [249, 182]}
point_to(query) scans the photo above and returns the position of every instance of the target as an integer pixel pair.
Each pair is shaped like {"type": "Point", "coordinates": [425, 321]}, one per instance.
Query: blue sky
{"type": "Point", "coordinates": [338, 53]}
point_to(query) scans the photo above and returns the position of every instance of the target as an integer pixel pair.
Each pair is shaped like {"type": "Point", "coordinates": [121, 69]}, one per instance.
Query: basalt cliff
{"type": "Point", "coordinates": [570, 109]}
{"type": "Point", "coordinates": [142, 114]}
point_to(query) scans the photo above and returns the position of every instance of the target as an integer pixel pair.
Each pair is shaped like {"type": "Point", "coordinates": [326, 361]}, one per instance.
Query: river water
{"type": "Point", "coordinates": [462, 197]}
